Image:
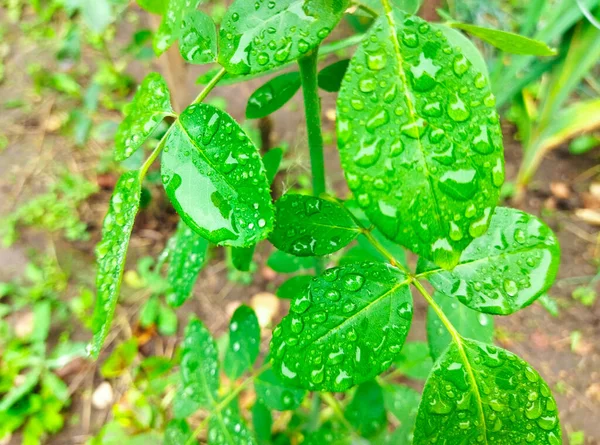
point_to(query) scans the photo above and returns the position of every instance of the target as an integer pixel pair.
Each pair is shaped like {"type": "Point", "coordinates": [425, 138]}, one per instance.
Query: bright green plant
{"type": "Point", "coordinates": [421, 147]}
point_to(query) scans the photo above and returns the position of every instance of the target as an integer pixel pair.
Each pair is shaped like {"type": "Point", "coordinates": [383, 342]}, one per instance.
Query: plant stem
{"type": "Point", "coordinates": [209, 86]}
{"type": "Point", "coordinates": [313, 420]}
{"type": "Point", "coordinates": [227, 400]}
{"type": "Point", "coordinates": [148, 162]}
{"type": "Point", "coordinates": [334, 404]}
{"type": "Point", "coordinates": [438, 310]}
{"type": "Point", "coordinates": [312, 109]}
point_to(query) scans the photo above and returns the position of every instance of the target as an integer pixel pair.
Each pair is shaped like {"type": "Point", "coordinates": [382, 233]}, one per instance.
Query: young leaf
{"type": "Point", "coordinates": [273, 95]}
{"type": "Point", "coordinates": [311, 226]}
{"type": "Point", "coordinates": [215, 179]}
{"type": "Point", "coordinates": [275, 394]}
{"type": "Point", "coordinates": [414, 360]}
{"type": "Point", "coordinates": [330, 77]}
{"type": "Point", "coordinates": [173, 23]}
{"type": "Point", "coordinates": [244, 342]}
{"type": "Point", "coordinates": [248, 45]}
{"type": "Point", "coordinates": [272, 161]}
{"type": "Point", "coordinates": [188, 255]}
{"type": "Point", "coordinates": [199, 365]}
{"type": "Point", "coordinates": [505, 270]}
{"type": "Point", "coordinates": [345, 330]}
{"type": "Point", "coordinates": [150, 105]}
{"type": "Point", "coordinates": [294, 287]}
{"type": "Point", "coordinates": [468, 323]}
{"type": "Point", "coordinates": [178, 432]}
{"type": "Point", "coordinates": [415, 118]}
{"type": "Point", "coordinates": [111, 252]}
{"type": "Point", "coordinates": [403, 403]}
{"type": "Point", "coordinates": [285, 263]}
{"type": "Point", "coordinates": [167, 321]}
{"type": "Point", "coordinates": [226, 427]}
{"type": "Point", "coordinates": [507, 41]}
{"type": "Point", "coordinates": [366, 412]}
{"type": "Point", "coordinates": [198, 41]}
{"type": "Point", "coordinates": [501, 399]}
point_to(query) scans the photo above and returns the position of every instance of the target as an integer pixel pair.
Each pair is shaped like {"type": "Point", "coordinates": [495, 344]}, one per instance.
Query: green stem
{"type": "Point", "coordinates": [227, 400]}
{"type": "Point", "coordinates": [334, 404]}
{"type": "Point", "coordinates": [315, 407]}
{"type": "Point", "coordinates": [209, 86]}
{"type": "Point", "coordinates": [312, 109]}
{"type": "Point", "coordinates": [438, 310]}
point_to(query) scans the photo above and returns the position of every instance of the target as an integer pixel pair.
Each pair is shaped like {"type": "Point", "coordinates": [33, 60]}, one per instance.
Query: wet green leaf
{"type": "Point", "coordinates": [244, 342]}
{"type": "Point", "coordinates": [311, 226]}
{"type": "Point", "coordinates": [366, 412]}
{"type": "Point", "coordinates": [420, 139]}
{"type": "Point", "coordinates": [151, 104]}
{"type": "Point", "coordinates": [414, 360]}
{"type": "Point", "coordinates": [273, 95]}
{"type": "Point", "coordinates": [198, 40]}
{"type": "Point", "coordinates": [505, 270]}
{"type": "Point", "coordinates": [507, 41]}
{"type": "Point", "coordinates": [272, 161]}
{"type": "Point", "coordinates": [188, 256]}
{"type": "Point", "coordinates": [241, 257]}
{"type": "Point", "coordinates": [410, 6]}
{"type": "Point", "coordinates": [173, 23]}
{"type": "Point", "coordinates": [294, 287]}
{"type": "Point", "coordinates": [226, 427]}
{"type": "Point", "coordinates": [275, 394]}
{"type": "Point", "coordinates": [479, 393]}
{"type": "Point", "coordinates": [154, 6]}
{"type": "Point", "coordinates": [111, 252]}
{"type": "Point", "coordinates": [330, 77]}
{"type": "Point", "coordinates": [285, 263]}
{"type": "Point", "coordinates": [247, 44]}
{"type": "Point", "coordinates": [215, 179]}
{"type": "Point", "coordinates": [345, 330]}
{"type": "Point", "coordinates": [403, 403]}
{"type": "Point", "coordinates": [178, 432]}
{"type": "Point", "coordinates": [469, 323]}
{"type": "Point", "coordinates": [120, 359]}
{"type": "Point", "coordinates": [199, 365]}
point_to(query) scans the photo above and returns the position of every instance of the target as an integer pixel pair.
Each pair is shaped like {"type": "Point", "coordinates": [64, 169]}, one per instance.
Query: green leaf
{"type": "Point", "coordinates": [154, 6]}
{"type": "Point", "coordinates": [247, 44]}
{"type": "Point", "coordinates": [414, 360]}
{"type": "Point", "coordinates": [16, 393]}
{"type": "Point", "coordinates": [226, 427]}
{"type": "Point", "coordinates": [215, 179]}
{"type": "Point", "coordinates": [244, 342]}
{"type": "Point", "coordinates": [97, 14]}
{"type": "Point", "coordinates": [468, 48]}
{"type": "Point", "coordinates": [285, 263]}
{"type": "Point", "coordinates": [198, 40]}
{"type": "Point", "coordinates": [330, 433]}
{"type": "Point", "coordinates": [262, 420]}
{"type": "Point", "coordinates": [42, 318]}
{"type": "Point", "coordinates": [120, 359]}
{"type": "Point", "coordinates": [469, 323]}
{"type": "Point", "coordinates": [403, 403]}
{"type": "Point", "coordinates": [330, 77]}
{"type": "Point", "coordinates": [188, 256]}
{"type": "Point", "coordinates": [410, 6]}
{"type": "Point", "coordinates": [420, 139]}
{"type": "Point", "coordinates": [273, 95]}
{"type": "Point", "coordinates": [111, 252]}
{"type": "Point", "coordinates": [275, 394]}
{"type": "Point", "coordinates": [199, 365]}
{"type": "Point", "coordinates": [505, 270]}
{"type": "Point", "coordinates": [272, 161]}
{"type": "Point", "coordinates": [294, 287]}
{"type": "Point", "coordinates": [150, 105]}
{"type": "Point", "coordinates": [167, 321]}
{"type": "Point", "coordinates": [507, 41]}
{"type": "Point", "coordinates": [178, 432]}
{"type": "Point", "coordinates": [311, 226]}
{"type": "Point", "coordinates": [173, 23]}
{"type": "Point", "coordinates": [241, 257]}
{"type": "Point", "coordinates": [366, 412]}
{"type": "Point", "coordinates": [481, 393]}
{"type": "Point", "coordinates": [346, 329]}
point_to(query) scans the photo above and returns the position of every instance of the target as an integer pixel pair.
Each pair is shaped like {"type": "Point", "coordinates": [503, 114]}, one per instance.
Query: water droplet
{"type": "Point", "coordinates": [457, 109]}
{"type": "Point", "coordinates": [459, 184]}
{"type": "Point", "coordinates": [377, 60]}
{"type": "Point", "coordinates": [353, 282]}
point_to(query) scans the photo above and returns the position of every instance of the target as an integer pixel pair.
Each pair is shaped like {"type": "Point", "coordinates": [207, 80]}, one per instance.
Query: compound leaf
{"type": "Point", "coordinates": [226, 427]}
{"type": "Point", "coordinates": [259, 36]}
{"type": "Point", "coordinates": [366, 412]}
{"type": "Point", "coordinates": [420, 139]}
{"type": "Point", "coordinates": [293, 287]}
{"type": "Point", "coordinates": [403, 403]}
{"type": "Point", "coordinates": [346, 329]}
{"type": "Point", "coordinates": [330, 77]}
{"type": "Point", "coordinates": [414, 360]}
{"type": "Point", "coordinates": [507, 41]}
{"type": "Point", "coordinates": [479, 393]}
{"type": "Point", "coordinates": [198, 40]}
{"type": "Point", "coordinates": [178, 432]}
{"type": "Point", "coordinates": [311, 226]}
{"type": "Point", "coordinates": [273, 95]}
{"type": "Point", "coordinates": [199, 366]}
{"type": "Point", "coordinates": [110, 253]}
{"type": "Point", "coordinates": [150, 105]}
{"type": "Point", "coordinates": [469, 323]}
{"type": "Point", "coordinates": [173, 23]}
{"type": "Point", "coordinates": [244, 342]}
{"type": "Point", "coordinates": [275, 394]}
{"type": "Point", "coordinates": [505, 270]}
{"type": "Point", "coordinates": [188, 255]}
{"type": "Point", "coordinates": [215, 179]}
